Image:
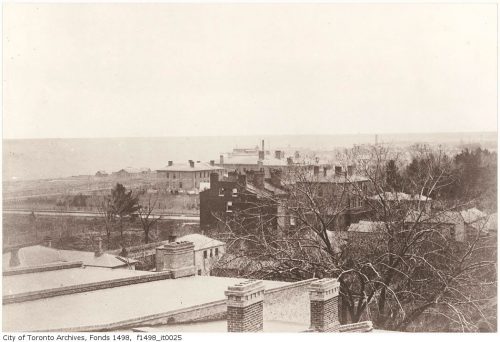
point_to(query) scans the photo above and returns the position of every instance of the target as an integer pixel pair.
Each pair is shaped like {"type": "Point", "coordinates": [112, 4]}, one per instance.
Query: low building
{"type": "Point", "coordinates": [207, 251]}
{"type": "Point", "coordinates": [130, 172]}
{"type": "Point", "coordinates": [186, 177]}
{"type": "Point", "coordinates": [101, 173]}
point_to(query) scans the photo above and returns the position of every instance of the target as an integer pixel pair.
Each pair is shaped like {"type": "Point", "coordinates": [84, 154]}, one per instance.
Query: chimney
{"type": "Point", "coordinates": [289, 161]}
{"type": "Point", "coordinates": [351, 169]}
{"type": "Point", "coordinates": [263, 145]}
{"type": "Point", "coordinates": [170, 163]}
{"type": "Point", "coordinates": [176, 258]}
{"type": "Point", "coordinates": [242, 180]}
{"type": "Point", "coordinates": [276, 177]}
{"type": "Point", "coordinates": [324, 171]}
{"type": "Point", "coordinates": [245, 306]}
{"type": "Point", "coordinates": [261, 155]}
{"type": "Point", "coordinates": [277, 154]}
{"type": "Point", "coordinates": [214, 179]}
{"type": "Point", "coordinates": [324, 297]}
{"type": "Point", "coordinates": [221, 160]}
{"type": "Point", "coordinates": [258, 179]}
{"type": "Point", "coordinates": [191, 163]}
{"type": "Point", "coordinates": [338, 170]}
{"type": "Point", "coordinates": [14, 258]}
{"type": "Point", "coordinates": [171, 238]}
{"type": "Point", "coordinates": [212, 163]}
{"type": "Point", "coordinates": [316, 170]}
{"type": "Point", "coordinates": [48, 241]}
{"type": "Point", "coordinates": [99, 250]}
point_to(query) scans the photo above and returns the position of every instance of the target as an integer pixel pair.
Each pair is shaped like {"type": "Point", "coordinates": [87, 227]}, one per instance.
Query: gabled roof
{"type": "Point", "coordinates": [400, 196]}
{"type": "Point", "coordinates": [201, 241]}
{"type": "Point", "coordinates": [41, 255]}
{"type": "Point", "coordinates": [367, 227]}
{"type": "Point", "coordinates": [472, 215]}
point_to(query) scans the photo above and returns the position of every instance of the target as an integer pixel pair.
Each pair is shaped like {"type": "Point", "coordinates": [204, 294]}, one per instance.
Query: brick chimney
{"type": "Point", "coordinates": [324, 297]}
{"type": "Point", "coordinates": [277, 154]}
{"type": "Point", "coordinates": [170, 163]}
{"type": "Point", "coordinates": [245, 306]}
{"type": "Point", "coordinates": [214, 179]}
{"type": "Point", "coordinates": [191, 163]}
{"type": "Point", "coordinates": [351, 169]}
{"type": "Point", "coordinates": [316, 170]}
{"type": "Point", "coordinates": [338, 170]}
{"type": "Point", "coordinates": [221, 160]}
{"type": "Point", "coordinates": [177, 258]}
{"type": "Point", "coordinates": [99, 250]}
{"type": "Point", "coordinates": [258, 179]}
{"type": "Point", "coordinates": [324, 171]}
{"type": "Point", "coordinates": [212, 163]}
{"type": "Point", "coordinates": [276, 177]}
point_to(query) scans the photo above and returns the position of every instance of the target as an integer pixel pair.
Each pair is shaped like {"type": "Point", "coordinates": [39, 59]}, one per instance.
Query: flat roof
{"type": "Point", "coordinates": [38, 281]}
{"type": "Point", "coordinates": [113, 305]}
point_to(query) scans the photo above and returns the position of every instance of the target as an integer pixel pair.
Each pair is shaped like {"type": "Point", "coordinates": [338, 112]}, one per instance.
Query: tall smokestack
{"type": "Point", "coordinates": [263, 145]}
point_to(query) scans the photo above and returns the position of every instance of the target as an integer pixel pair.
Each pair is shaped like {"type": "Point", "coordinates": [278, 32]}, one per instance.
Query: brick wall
{"type": "Point", "coordinates": [246, 319]}
{"type": "Point", "coordinates": [324, 314]}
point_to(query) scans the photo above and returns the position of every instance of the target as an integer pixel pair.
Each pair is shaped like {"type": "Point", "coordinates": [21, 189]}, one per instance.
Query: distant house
{"type": "Point", "coordinates": [207, 251]}
{"type": "Point", "coordinates": [187, 177]}
{"type": "Point", "coordinates": [419, 201]}
{"type": "Point", "coordinates": [131, 172]}
{"type": "Point", "coordinates": [101, 173]}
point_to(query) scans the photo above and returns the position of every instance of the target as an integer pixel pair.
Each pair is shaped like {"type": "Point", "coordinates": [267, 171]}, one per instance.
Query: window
{"type": "Point", "coordinates": [204, 254]}
{"type": "Point", "coordinates": [180, 185]}
{"type": "Point", "coordinates": [229, 207]}
{"type": "Point", "coordinates": [200, 174]}
{"type": "Point", "coordinates": [167, 174]}
{"type": "Point", "coordinates": [235, 192]}
{"type": "Point", "coordinates": [211, 255]}
{"type": "Point", "coordinates": [199, 272]}
{"type": "Point", "coordinates": [216, 252]}
{"type": "Point", "coordinates": [221, 191]}
{"type": "Point", "coordinates": [292, 221]}
{"type": "Point", "coordinates": [173, 176]}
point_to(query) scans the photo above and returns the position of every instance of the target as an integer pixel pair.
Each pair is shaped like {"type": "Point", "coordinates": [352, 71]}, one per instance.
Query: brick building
{"type": "Point", "coordinates": [249, 196]}
{"type": "Point", "coordinates": [186, 177]}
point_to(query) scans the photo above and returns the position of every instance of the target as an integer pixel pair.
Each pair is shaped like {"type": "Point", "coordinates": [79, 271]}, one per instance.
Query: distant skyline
{"type": "Point", "coordinates": [155, 70]}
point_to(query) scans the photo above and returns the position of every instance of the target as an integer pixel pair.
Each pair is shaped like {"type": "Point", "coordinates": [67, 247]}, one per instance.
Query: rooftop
{"type": "Point", "coordinates": [186, 167]}
{"type": "Point", "coordinates": [118, 304]}
{"type": "Point", "coordinates": [38, 281]}
{"type": "Point", "coordinates": [333, 178]}
{"type": "Point", "coordinates": [367, 227]}
{"type": "Point", "coordinates": [201, 241]}
{"type": "Point", "coordinates": [400, 196]}
{"type": "Point", "coordinates": [254, 160]}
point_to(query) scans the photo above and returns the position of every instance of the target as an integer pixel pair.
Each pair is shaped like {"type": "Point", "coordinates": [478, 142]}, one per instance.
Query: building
{"type": "Point", "coordinates": [130, 172]}
{"type": "Point", "coordinates": [207, 251]}
{"type": "Point", "coordinates": [186, 177]}
{"type": "Point", "coordinates": [172, 299]}
{"type": "Point", "coordinates": [249, 196]}
{"type": "Point", "coordinates": [253, 159]}
{"type": "Point", "coordinates": [101, 173]}
{"type": "Point", "coordinates": [416, 201]}
{"type": "Point", "coordinates": [341, 192]}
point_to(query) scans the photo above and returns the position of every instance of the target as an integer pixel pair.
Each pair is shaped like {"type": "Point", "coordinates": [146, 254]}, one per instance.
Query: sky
{"type": "Point", "coordinates": [134, 70]}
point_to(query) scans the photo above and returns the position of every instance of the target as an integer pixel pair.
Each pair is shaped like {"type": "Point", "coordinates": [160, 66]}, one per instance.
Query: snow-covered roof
{"type": "Point", "coordinates": [201, 241]}
{"type": "Point", "coordinates": [400, 196]}
{"type": "Point", "coordinates": [367, 227]}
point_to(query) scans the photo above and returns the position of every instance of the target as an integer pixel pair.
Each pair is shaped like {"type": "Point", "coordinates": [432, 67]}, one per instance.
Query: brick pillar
{"type": "Point", "coordinates": [324, 297]}
{"type": "Point", "coordinates": [177, 258]}
{"type": "Point", "coordinates": [245, 306]}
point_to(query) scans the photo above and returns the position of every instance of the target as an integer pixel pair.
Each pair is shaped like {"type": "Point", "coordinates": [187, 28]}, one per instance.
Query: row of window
{"type": "Point", "coordinates": [205, 253]}
{"type": "Point", "coordinates": [200, 174]}
{"type": "Point", "coordinates": [223, 190]}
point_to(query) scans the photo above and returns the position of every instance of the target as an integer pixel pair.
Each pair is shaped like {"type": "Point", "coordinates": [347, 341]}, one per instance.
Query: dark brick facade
{"type": "Point", "coordinates": [245, 319]}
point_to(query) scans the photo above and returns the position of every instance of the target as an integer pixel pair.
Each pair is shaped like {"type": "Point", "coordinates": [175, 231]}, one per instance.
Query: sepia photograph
{"type": "Point", "coordinates": [175, 168]}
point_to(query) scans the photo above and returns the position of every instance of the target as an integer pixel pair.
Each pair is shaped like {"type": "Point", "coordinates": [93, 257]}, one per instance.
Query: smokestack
{"type": "Point", "coordinates": [170, 163]}
{"type": "Point", "coordinates": [221, 159]}
{"type": "Point", "coordinates": [263, 145]}
{"type": "Point", "coordinates": [212, 163]}
{"type": "Point", "coordinates": [261, 155]}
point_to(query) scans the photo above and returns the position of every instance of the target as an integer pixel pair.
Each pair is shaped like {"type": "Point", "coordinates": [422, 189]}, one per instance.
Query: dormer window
{"type": "Point", "coordinates": [235, 192]}
{"type": "Point", "coordinates": [229, 207]}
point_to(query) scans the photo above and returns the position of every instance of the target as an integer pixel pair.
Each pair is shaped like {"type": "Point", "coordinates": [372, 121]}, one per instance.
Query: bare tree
{"type": "Point", "coordinates": [147, 219]}
{"type": "Point", "coordinates": [408, 269]}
